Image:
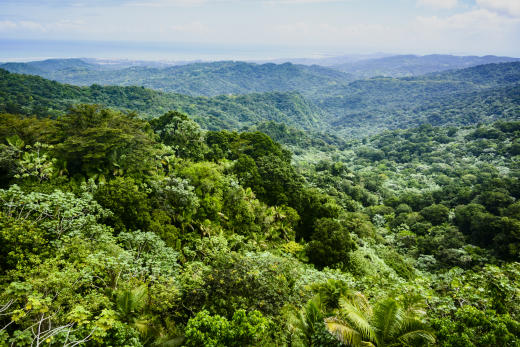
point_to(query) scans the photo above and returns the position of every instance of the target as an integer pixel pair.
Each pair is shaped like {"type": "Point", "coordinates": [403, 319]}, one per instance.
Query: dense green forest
{"type": "Point", "coordinates": [461, 97]}
{"type": "Point", "coordinates": [127, 224]}
{"type": "Point", "coordinates": [235, 77]}
{"type": "Point", "coordinates": [413, 65]}
{"type": "Point", "coordinates": [32, 95]}
{"type": "Point", "coordinates": [208, 79]}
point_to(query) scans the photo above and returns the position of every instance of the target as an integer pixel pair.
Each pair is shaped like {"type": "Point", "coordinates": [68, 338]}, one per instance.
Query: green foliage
{"type": "Point", "coordinates": [22, 243]}
{"type": "Point", "coordinates": [413, 65]}
{"type": "Point", "coordinates": [209, 79]}
{"type": "Point", "coordinates": [258, 281]}
{"type": "Point", "coordinates": [184, 135]}
{"type": "Point", "coordinates": [31, 95]}
{"type": "Point", "coordinates": [436, 214]}
{"type": "Point", "coordinates": [117, 231]}
{"type": "Point", "coordinates": [473, 327]}
{"type": "Point", "coordinates": [151, 253]}
{"type": "Point", "coordinates": [330, 244]}
{"type": "Point", "coordinates": [97, 141]}
{"type": "Point", "coordinates": [388, 323]}
{"type": "Point", "coordinates": [244, 329]}
{"type": "Point", "coordinates": [307, 325]}
{"type": "Point", "coordinates": [128, 203]}
{"type": "Point", "coordinates": [468, 96]}
{"type": "Point", "coordinates": [58, 214]}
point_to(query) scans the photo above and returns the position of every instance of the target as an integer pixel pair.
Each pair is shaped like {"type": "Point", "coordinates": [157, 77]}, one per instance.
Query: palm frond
{"type": "Point", "coordinates": [412, 329]}
{"type": "Point", "coordinates": [305, 321]}
{"type": "Point", "coordinates": [414, 305]}
{"type": "Point", "coordinates": [343, 332]}
{"type": "Point", "coordinates": [130, 302]}
{"type": "Point", "coordinates": [357, 299]}
{"type": "Point", "coordinates": [418, 335]}
{"type": "Point", "coordinates": [387, 318]}
{"type": "Point", "coordinates": [359, 321]}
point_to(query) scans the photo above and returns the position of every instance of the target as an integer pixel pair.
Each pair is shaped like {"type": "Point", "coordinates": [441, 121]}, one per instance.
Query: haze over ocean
{"type": "Point", "coordinates": [27, 50]}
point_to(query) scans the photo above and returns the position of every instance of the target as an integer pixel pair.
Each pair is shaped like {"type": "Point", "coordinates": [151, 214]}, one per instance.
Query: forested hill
{"type": "Point", "coordinates": [26, 94]}
{"type": "Point", "coordinates": [42, 67]}
{"type": "Point", "coordinates": [413, 65]}
{"type": "Point", "coordinates": [484, 75]}
{"type": "Point", "coordinates": [122, 231]}
{"type": "Point", "coordinates": [468, 96]}
{"type": "Point", "coordinates": [483, 93]}
{"type": "Point", "coordinates": [207, 79]}
{"type": "Point", "coordinates": [116, 231]}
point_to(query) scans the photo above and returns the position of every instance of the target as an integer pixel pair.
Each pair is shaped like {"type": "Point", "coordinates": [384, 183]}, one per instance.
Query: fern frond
{"type": "Point", "coordinates": [343, 332]}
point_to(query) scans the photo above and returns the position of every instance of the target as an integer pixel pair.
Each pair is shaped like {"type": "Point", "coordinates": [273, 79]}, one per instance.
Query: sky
{"type": "Point", "coordinates": [187, 29]}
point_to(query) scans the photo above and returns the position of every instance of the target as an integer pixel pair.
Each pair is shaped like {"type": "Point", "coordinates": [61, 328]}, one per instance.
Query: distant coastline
{"type": "Point", "coordinates": [30, 50]}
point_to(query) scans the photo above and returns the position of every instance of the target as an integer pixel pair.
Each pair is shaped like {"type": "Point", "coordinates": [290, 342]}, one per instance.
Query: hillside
{"type": "Point", "coordinates": [208, 79]}
{"type": "Point", "coordinates": [130, 233]}
{"type": "Point", "coordinates": [35, 95]}
{"type": "Point", "coordinates": [483, 93]}
{"type": "Point", "coordinates": [468, 96]}
{"type": "Point", "coordinates": [413, 65]}
{"type": "Point", "coordinates": [123, 231]}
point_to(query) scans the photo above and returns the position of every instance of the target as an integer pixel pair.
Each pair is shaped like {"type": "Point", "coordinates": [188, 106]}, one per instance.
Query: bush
{"type": "Point", "coordinates": [243, 330]}
{"type": "Point", "coordinates": [330, 245]}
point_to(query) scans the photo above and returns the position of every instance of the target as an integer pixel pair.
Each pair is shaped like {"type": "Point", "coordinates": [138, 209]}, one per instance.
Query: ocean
{"type": "Point", "coordinates": [29, 50]}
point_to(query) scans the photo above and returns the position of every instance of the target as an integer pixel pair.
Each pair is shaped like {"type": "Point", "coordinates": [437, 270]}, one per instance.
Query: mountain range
{"type": "Point", "coordinates": [233, 95]}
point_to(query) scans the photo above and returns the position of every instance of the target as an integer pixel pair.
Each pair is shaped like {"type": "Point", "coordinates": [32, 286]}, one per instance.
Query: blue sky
{"type": "Point", "coordinates": [311, 26]}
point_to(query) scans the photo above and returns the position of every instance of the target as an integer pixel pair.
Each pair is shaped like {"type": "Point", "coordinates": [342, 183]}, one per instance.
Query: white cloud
{"type": "Point", "coordinates": [332, 34]}
{"type": "Point", "coordinates": [7, 25]}
{"type": "Point", "coordinates": [11, 26]}
{"type": "Point", "coordinates": [478, 30]}
{"type": "Point", "coordinates": [482, 27]}
{"type": "Point", "coordinates": [507, 7]}
{"type": "Point", "coordinates": [32, 26]}
{"type": "Point", "coordinates": [441, 4]}
{"type": "Point", "coordinates": [472, 21]}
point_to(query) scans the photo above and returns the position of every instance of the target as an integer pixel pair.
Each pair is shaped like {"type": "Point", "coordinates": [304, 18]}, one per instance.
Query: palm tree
{"type": "Point", "coordinates": [131, 307]}
{"type": "Point", "coordinates": [388, 324]}
{"type": "Point", "coordinates": [331, 291]}
{"type": "Point", "coordinates": [306, 322]}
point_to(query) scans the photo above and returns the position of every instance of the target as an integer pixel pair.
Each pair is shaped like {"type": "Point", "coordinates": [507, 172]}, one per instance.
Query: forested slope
{"type": "Point", "coordinates": [121, 231]}
{"type": "Point", "coordinates": [478, 94]}
{"type": "Point", "coordinates": [461, 97]}
{"type": "Point", "coordinates": [34, 95]}
{"type": "Point", "coordinates": [208, 79]}
{"type": "Point", "coordinates": [413, 65]}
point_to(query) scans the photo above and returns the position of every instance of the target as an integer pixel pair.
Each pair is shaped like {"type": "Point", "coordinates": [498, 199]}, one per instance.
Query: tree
{"type": "Point", "coordinates": [129, 205]}
{"type": "Point", "coordinates": [495, 201]}
{"type": "Point", "coordinates": [388, 324]}
{"type": "Point", "coordinates": [22, 243]}
{"type": "Point", "coordinates": [435, 214]}
{"type": "Point", "coordinates": [131, 307]}
{"type": "Point", "coordinates": [184, 135]}
{"type": "Point", "coordinates": [330, 245]}
{"type": "Point", "coordinates": [95, 140]}
{"type": "Point", "coordinates": [471, 326]}
{"type": "Point", "coordinates": [308, 321]}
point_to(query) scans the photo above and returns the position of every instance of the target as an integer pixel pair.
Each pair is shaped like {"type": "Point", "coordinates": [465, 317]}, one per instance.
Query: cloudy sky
{"type": "Point", "coordinates": [330, 26]}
